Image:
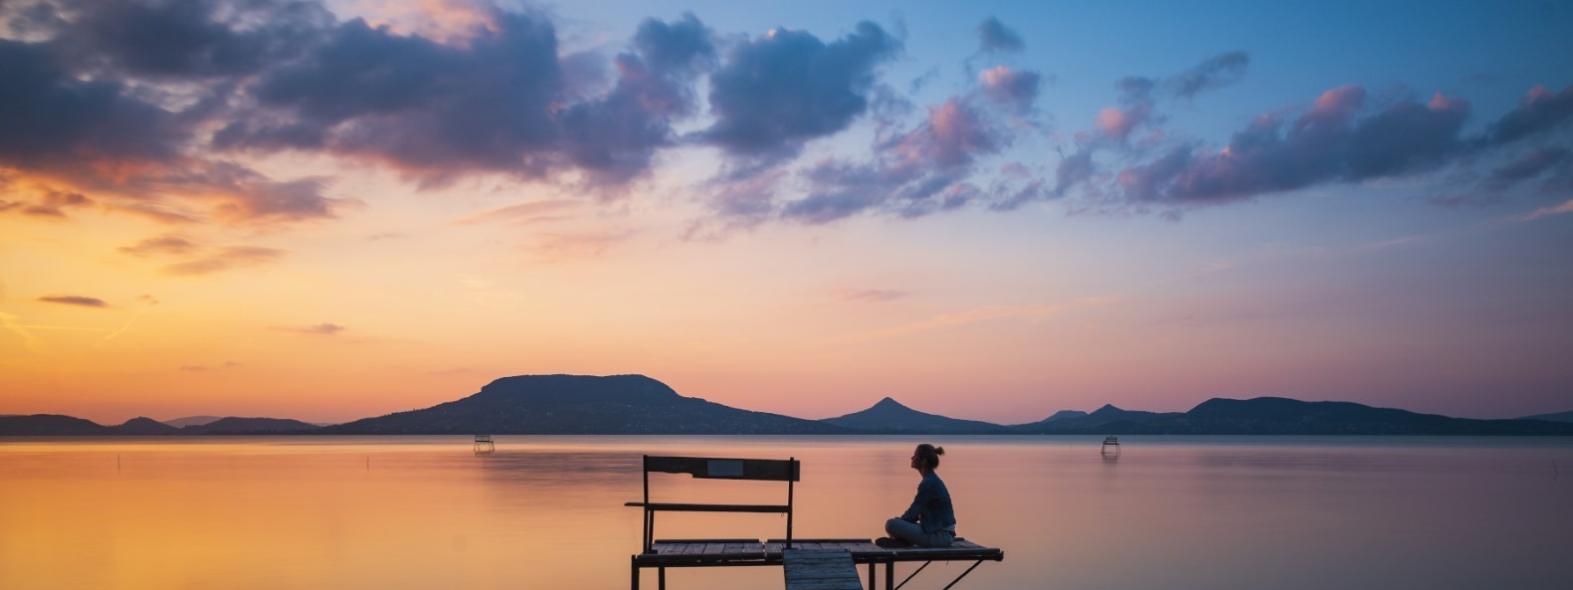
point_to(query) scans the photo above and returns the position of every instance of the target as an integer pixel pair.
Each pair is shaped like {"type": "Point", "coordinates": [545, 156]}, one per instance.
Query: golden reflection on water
{"type": "Point", "coordinates": [546, 512]}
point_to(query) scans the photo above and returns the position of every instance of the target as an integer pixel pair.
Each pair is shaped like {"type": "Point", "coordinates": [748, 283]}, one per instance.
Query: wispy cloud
{"type": "Point", "coordinates": [873, 295]}
{"type": "Point", "coordinates": [1030, 313]}
{"type": "Point", "coordinates": [196, 259]}
{"type": "Point", "coordinates": [77, 300]}
{"type": "Point", "coordinates": [29, 341]}
{"type": "Point", "coordinates": [322, 329]}
{"type": "Point", "coordinates": [155, 213]}
{"type": "Point", "coordinates": [166, 244]}
{"type": "Point", "coordinates": [118, 331]}
{"type": "Point", "coordinates": [51, 204]}
{"type": "Point", "coordinates": [1543, 212]}
{"type": "Point", "coordinates": [228, 258]}
{"type": "Point", "coordinates": [208, 368]}
{"type": "Point", "coordinates": [534, 211]}
{"type": "Point", "coordinates": [563, 246]}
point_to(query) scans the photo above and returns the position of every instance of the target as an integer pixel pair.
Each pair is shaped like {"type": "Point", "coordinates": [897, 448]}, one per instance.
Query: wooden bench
{"type": "Point", "coordinates": [709, 552]}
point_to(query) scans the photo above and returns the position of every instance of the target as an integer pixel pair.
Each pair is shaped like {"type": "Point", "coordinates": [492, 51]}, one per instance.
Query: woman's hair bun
{"type": "Point", "coordinates": [939, 450]}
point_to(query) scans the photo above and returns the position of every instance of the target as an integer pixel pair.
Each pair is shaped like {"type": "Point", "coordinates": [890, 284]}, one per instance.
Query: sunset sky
{"type": "Point", "coordinates": [328, 210]}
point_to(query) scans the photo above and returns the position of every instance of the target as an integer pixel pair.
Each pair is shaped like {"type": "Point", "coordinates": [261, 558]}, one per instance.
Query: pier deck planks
{"type": "Point", "coordinates": [819, 569]}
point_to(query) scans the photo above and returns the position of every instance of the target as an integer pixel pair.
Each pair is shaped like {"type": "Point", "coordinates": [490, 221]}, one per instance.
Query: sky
{"type": "Point", "coordinates": [327, 210]}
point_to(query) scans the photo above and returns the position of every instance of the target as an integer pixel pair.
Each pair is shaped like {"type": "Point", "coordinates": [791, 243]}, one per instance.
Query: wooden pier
{"type": "Point", "coordinates": [819, 561]}
{"type": "Point", "coordinates": [819, 569]}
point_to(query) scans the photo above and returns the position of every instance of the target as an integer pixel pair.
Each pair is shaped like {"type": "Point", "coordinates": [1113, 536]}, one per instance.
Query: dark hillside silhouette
{"type": "Point", "coordinates": [580, 404]}
{"type": "Point", "coordinates": [890, 416]}
{"type": "Point", "coordinates": [636, 404]}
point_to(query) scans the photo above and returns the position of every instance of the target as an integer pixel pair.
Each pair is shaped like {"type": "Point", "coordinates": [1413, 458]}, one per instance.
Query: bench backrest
{"type": "Point", "coordinates": [716, 468]}
{"type": "Point", "coordinates": [719, 468]}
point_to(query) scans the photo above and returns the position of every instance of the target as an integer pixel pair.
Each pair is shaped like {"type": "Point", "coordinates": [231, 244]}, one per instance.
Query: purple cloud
{"type": "Point", "coordinates": [273, 75]}
{"type": "Point", "coordinates": [918, 172]}
{"type": "Point", "coordinates": [1540, 110]}
{"type": "Point", "coordinates": [995, 37]}
{"type": "Point", "coordinates": [614, 137]}
{"type": "Point", "coordinates": [1328, 142]}
{"type": "Point", "coordinates": [1216, 72]}
{"type": "Point", "coordinates": [77, 300]}
{"type": "Point", "coordinates": [52, 204]}
{"type": "Point", "coordinates": [54, 118]}
{"type": "Point", "coordinates": [431, 109]}
{"type": "Point", "coordinates": [190, 39]}
{"type": "Point", "coordinates": [786, 87]}
{"type": "Point", "coordinates": [97, 135]}
{"type": "Point", "coordinates": [1017, 89]}
{"type": "Point", "coordinates": [1073, 170]}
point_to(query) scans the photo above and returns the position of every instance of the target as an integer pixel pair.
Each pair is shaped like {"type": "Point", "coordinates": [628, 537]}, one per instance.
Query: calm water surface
{"type": "Point", "coordinates": [546, 512]}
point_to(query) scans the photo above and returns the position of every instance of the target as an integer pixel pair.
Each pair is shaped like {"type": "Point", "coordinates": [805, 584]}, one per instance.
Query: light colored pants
{"type": "Point", "coordinates": [913, 533]}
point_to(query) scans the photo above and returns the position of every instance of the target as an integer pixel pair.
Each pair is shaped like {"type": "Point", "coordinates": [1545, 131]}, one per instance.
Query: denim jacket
{"type": "Point", "coordinates": [931, 508]}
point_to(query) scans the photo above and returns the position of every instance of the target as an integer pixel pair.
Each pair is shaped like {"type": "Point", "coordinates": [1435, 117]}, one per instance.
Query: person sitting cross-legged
{"type": "Point", "coordinates": [931, 520]}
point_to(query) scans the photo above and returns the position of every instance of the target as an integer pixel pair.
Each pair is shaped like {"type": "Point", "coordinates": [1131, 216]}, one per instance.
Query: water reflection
{"type": "Point", "coordinates": [546, 512]}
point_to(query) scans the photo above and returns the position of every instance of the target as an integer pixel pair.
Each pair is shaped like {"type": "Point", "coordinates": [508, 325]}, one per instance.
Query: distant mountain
{"type": "Point", "coordinates": [1063, 414]}
{"type": "Point", "coordinates": [579, 404]}
{"type": "Point", "coordinates": [233, 425]}
{"type": "Point", "coordinates": [889, 416]}
{"type": "Point", "coordinates": [1557, 417]}
{"type": "Point", "coordinates": [1107, 418]}
{"type": "Point", "coordinates": [48, 425]}
{"type": "Point", "coordinates": [142, 427]}
{"type": "Point", "coordinates": [191, 421]}
{"type": "Point", "coordinates": [635, 404]}
{"type": "Point", "coordinates": [1277, 415]}
{"type": "Point", "coordinates": [56, 425]}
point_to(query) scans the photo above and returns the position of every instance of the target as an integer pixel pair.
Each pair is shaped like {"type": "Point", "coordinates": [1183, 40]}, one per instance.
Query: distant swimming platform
{"type": "Point", "coordinates": [808, 563]}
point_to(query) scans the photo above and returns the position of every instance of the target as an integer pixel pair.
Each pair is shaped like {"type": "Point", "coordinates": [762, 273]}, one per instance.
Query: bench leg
{"type": "Point", "coordinates": [890, 575]}
{"type": "Point", "coordinates": [871, 576]}
{"type": "Point", "coordinates": [660, 577]}
{"type": "Point", "coordinates": [633, 583]}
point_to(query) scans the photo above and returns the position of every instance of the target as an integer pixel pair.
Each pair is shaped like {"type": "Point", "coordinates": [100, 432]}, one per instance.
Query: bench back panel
{"type": "Point", "coordinates": [718, 468]}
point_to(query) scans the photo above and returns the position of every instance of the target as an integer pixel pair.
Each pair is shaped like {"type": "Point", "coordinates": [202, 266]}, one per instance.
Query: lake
{"type": "Point", "coordinates": [546, 511]}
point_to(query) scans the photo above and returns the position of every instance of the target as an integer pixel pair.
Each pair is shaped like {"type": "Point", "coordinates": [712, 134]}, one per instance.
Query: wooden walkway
{"type": "Point", "coordinates": [820, 569]}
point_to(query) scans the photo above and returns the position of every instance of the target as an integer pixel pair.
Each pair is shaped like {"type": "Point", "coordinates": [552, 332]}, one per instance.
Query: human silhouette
{"type": "Point", "coordinates": [931, 520]}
